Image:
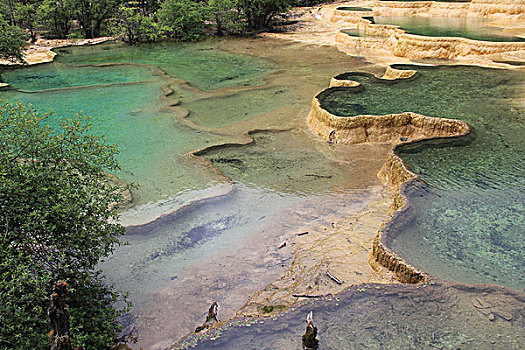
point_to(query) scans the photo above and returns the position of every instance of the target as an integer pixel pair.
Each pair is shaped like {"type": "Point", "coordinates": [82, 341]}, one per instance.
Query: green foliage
{"type": "Point", "coordinates": [54, 18]}
{"type": "Point", "coordinates": [132, 24]}
{"type": "Point", "coordinates": [146, 20]}
{"type": "Point", "coordinates": [228, 16]}
{"type": "Point", "coordinates": [12, 41]}
{"type": "Point", "coordinates": [93, 314]}
{"type": "Point", "coordinates": [184, 19]}
{"type": "Point", "coordinates": [57, 219]}
{"type": "Point", "coordinates": [92, 14]}
{"type": "Point", "coordinates": [25, 14]}
{"type": "Point", "coordinates": [259, 13]}
{"type": "Point", "coordinates": [23, 307]}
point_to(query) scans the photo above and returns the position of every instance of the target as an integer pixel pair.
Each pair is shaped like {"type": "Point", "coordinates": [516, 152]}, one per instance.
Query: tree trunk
{"type": "Point", "coordinates": [11, 12]}
{"type": "Point", "coordinates": [219, 25]}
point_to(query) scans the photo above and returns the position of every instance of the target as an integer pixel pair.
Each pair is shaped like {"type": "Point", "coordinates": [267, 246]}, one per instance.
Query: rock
{"type": "Point", "coordinates": [480, 303]}
{"type": "Point", "coordinates": [507, 316]}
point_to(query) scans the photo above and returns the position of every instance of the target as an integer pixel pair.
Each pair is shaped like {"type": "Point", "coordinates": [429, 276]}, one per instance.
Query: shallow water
{"type": "Point", "coordinates": [467, 223]}
{"type": "Point", "coordinates": [385, 317]}
{"type": "Point", "coordinates": [152, 144]}
{"type": "Point", "coordinates": [200, 64]}
{"type": "Point", "coordinates": [285, 162]}
{"type": "Point", "coordinates": [470, 28]}
{"type": "Point", "coordinates": [236, 107]}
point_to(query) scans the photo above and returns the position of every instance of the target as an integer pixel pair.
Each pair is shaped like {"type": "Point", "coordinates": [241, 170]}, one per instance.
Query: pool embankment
{"type": "Point", "coordinates": [396, 129]}
{"type": "Point", "coordinates": [440, 315]}
{"type": "Point", "coordinates": [493, 9]}
{"type": "Point", "coordinates": [417, 46]}
{"type": "Point", "coordinates": [402, 44]}
{"type": "Point", "coordinates": [42, 50]}
{"type": "Point", "coordinates": [393, 128]}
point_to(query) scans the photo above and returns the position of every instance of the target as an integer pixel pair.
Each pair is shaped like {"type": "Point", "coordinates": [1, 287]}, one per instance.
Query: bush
{"type": "Point", "coordinates": [184, 19]}
{"type": "Point", "coordinates": [57, 218]}
{"type": "Point", "coordinates": [12, 41]}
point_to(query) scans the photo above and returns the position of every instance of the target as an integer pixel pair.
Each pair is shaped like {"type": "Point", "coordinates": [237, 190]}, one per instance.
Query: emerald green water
{"type": "Point", "coordinates": [121, 88]}
{"type": "Point", "coordinates": [467, 222]}
{"type": "Point", "coordinates": [471, 28]}
{"type": "Point", "coordinates": [59, 76]}
{"type": "Point", "coordinates": [200, 64]}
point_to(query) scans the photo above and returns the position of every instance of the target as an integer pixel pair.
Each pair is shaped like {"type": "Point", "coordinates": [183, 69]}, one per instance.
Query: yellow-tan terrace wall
{"type": "Point", "coordinates": [416, 46]}
{"type": "Point", "coordinates": [491, 9]}
{"type": "Point", "coordinates": [391, 128]}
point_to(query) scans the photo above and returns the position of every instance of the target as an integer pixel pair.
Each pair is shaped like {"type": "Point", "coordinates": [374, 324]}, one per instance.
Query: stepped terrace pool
{"type": "Point", "coordinates": [470, 28]}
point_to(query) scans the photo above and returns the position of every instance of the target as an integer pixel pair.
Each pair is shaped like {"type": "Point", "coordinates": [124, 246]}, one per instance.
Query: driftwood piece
{"type": "Point", "coordinates": [58, 313]}
{"type": "Point", "coordinates": [319, 176]}
{"type": "Point", "coordinates": [309, 340]}
{"type": "Point", "coordinates": [333, 278]}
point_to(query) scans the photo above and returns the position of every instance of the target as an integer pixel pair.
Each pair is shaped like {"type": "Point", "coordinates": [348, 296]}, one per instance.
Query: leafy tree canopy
{"type": "Point", "coordinates": [258, 13]}
{"type": "Point", "coordinates": [184, 19]}
{"type": "Point", "coordinates": [54, 18]}
{"type": "Point", "coordinates": [92, 14]}
{"type": "Point", "coordinates": [57, 218]}
{"type": "Point", "coordinates": [12, 41]}
{"type": "Point", "coordinates": [134, 24]}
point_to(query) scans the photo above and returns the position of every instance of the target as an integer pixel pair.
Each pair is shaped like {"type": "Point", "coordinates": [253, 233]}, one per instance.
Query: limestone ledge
{"type": "Point", "coordinates": [349, 16]}
{"type": "Point", "coordinates": [416, 46]}
{"type": "Point", "coordinates": [413, 46]}
{"type": "Point", "coordinates": [509, 9]}
{"type": "Point", "coordinates": [397, 74]}
{"type": "Point", "coordinates": [393, 128]}
{"type": "Point", "coordinates": [334, 82]}
{"type": "Point", "coordinates": [398, 129]}
{"type": "Point", "coordinates": [352, 44]}
{"type": "Point", "coordinates": [42, 50]}
{"type": "Point", "coordinates": [396, 174]}
{"type": "Point", "coordinates": [421, 8]}
{"type": "Point", "coordinates": [492, 9]}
